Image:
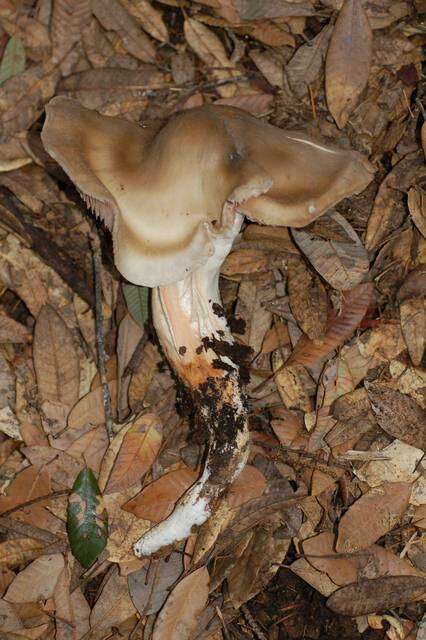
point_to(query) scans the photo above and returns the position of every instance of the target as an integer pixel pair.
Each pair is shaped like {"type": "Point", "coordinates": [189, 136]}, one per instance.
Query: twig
{"type": "Point", "coordinates": [223, 623]}
{"type": "Point", "coordinates": [100, 338]}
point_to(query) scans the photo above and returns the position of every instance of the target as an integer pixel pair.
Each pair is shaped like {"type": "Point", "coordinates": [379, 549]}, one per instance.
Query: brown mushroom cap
{"type": "Point", "coordinates": [162, 188]}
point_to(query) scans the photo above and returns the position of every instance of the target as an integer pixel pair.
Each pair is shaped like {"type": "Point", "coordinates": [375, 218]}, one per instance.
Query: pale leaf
{"type": "Point", "coordinates": [348, 61]}
{"type": "Point", "coordinates": [179, 616]}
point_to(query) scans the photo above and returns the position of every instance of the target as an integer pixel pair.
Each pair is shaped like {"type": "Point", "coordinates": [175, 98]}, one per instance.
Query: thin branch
{"type": "Point", "coordinates": [100, 338]}
{"type": "Point", "coordinates": [55, 494]}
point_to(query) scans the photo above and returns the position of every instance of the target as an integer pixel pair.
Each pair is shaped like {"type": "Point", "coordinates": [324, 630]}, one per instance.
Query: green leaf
{"type": "Point", "coordinates": [137, 302]}
{"type": "Point", "coordinates": [13, 61]}
{"type": "Point", "coordinates": [87, 521]}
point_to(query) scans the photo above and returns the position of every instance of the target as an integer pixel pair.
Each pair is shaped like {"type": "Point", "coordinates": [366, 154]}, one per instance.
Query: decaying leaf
{"type": "Point", "coordinates": [138, 451]}
{"type": "Point", "coordinates": [150, 586]}
{"type": "Point", "coordinates": [368, 596]}
{"type": "Point", "coordinates": [55, 359]}
{"type": "Point", "coordinates": [87, 519]}
{"type": "Point", "coordinates": [334, 250]}
{"type": "Point", "coordinates": [179, 616]}
{"type": "Point", "coordinates": [307, 298]}
{"type": "Point", "coordinates": [348, 60]}
{"type": "Point", "coordinates": [37, 581]}
{"type": "Point", "coordinates": [372, 515]}
{"type": "Point", "coordinates": [340, 328]}
{"type": "Point", "coordinates": [389, 405]}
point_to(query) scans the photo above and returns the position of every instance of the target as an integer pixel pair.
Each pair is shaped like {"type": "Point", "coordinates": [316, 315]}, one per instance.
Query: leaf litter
{"type": "Point", "coordinates": [323, 533]}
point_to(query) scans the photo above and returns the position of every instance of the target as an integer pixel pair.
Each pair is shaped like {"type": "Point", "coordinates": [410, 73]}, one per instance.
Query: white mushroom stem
{"type": "Point", "coordinates": [197, 341]}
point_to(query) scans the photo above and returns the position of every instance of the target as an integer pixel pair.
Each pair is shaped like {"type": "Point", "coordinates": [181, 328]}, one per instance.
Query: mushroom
{"type": "Point", "coordinates": [174, 194]}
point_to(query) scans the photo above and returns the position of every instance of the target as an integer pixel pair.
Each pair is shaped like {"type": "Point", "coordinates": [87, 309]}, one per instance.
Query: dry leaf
{"type": "Point", "coordinates": [156, 500]}
{"type": "Point", "coordinates": [17, 551]}
{"type": "Point", "coordinates": [55, 359]}
{"type": "Point", "coordinates": [318, 580]}
{"type": "Point", "coordinates": [304, 69]}
{"type": "Point", "coordinates": [114, 604]}
{"type": "Point", "coordinates": [149, 18]}
{"type": "Point", "coordinates": [138, 451]}
{"type": "Point", "coordinates": [413, 322]}
{"type": "Point", "coordinates": [348, 60]}
{"type": "Point", "coordinates": [269, 66]}
{"type": "Point", "coordinates": [307, 299]}
{"type": "Point", "coordinates": [401, 465]}
{"type": "Point", "coordinates": [355, 304]}
{"type": "Point", "coordinates": [179, 617]}
{"type": "Point", "coordinates": [334, 250]}
{"type": "Point", "coordinates": [369, 596]}
{"type": "Point", "coordinates": [251, 483]}
{"type": "Point", "coordinates": [69, 18]}
{"type": "Point", "coordinates": [150, 586]}
{"type": "Point", "coordinates": [37, 581]}
{"type": "Point", "coordinates": [372, 516]}
{"type": "Point", "coordinates": [417, 207]}
{"type": "Point", "coordinates": [114, 17]}
{"type": "Point", "coordinates": [210, 49]}
{"type": "Point", "coordinates": [12, 331]}
{"type": "Point", "coordinates": [90, 408]}
{"type": "Point", "coordinates": [71, 608]}
{"type": "Point", "coordinates": [389, 405]}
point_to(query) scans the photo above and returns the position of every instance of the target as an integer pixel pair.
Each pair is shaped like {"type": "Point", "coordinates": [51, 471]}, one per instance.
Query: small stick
{"type": "Point", "coordinates": [100, 338]}
{"type": "Point", "coordinates": [55, 494]}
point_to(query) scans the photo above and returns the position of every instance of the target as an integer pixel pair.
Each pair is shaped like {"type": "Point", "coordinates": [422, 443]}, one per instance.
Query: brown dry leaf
{"type": "Point", "coordinates": [37, 581]}
{"type": "Point", "coordinates": [17, 551]}
{"type": "Point", "coordinates": [69, 18]}
{"type": "Point", "coordinates": [389, 208]}
{"type": "Point", "coordinates": [251, 307]}
{"type": "Point", "coordinates": [150, 586]}
{"type": "Point", "coordinates": [372, 516]}
{"type": "Point", "coordinates": [369, 596]}
{"type": "Point", "coordinates": [355, 304]}
{"type": "Point", "coordinates": [269, 66]}
{"type": "Point", "coordinates": [138, 451]}
{"type": "Point", "coordinates": [389, 406]}
{"type": "Point", "coordinates": [32, 482]}
{"type": "Point", "coordinates": [114, 17]}
{"type": "Point", "coordinates": [272, 34]}
{"type": "Point", "coordinates": [114, 605]}
{"type": "Point", "coordinates": [251, 483]}
{"type": "Point", "coordinates": [148, 17]}
{"type": "Point", "coordinates": [90, 409]}
{"type": "Point", "coordinates": [71, 608]}
{"type": "Point", "coordinates": [304, 69]}
{"type": "Point", "coordinates": [399, 464]}
{"type": "Point", "coordinates": [293, 383]}
{"type": "Point", "coordinates": [55, 359]}
{"type": "Point", "coordinates": [334, 250]}
{"type": "Point", "coordinates": [317, 579]}
{"type": "Point", "coordinates": [10, 621]}
{"type": "Point", "coordinates": [348, 61]}
{"type": "Point", "coordinates": [259, 561]}
{"type": "Point", "coordinates": [12, 331]}
{"type": "Point", "coordinates": [210, 49]}
{"type": "Point", "coordinates": [179, 617]}
{"type": "Point", "coordinates": [124, 529]}
{"type": "Point", "coordinates": [257, 103]}
{"type": "Point", "coordinates": [87, 444]}
{"type": "Point", "coordinates": [413, 322]}
{"type": "Point", "coordinates": [22, 97]}
{"type": "Point", "coordinates": [417, 208]}
{"type": "Point", "coordinates": [156, 501]}
{"type": "Point", "coordinates": [307, 299]}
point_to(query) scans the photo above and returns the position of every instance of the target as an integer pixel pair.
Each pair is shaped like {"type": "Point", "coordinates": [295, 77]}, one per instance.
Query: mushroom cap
{"type": "Point", "coordinates": [161, 187]}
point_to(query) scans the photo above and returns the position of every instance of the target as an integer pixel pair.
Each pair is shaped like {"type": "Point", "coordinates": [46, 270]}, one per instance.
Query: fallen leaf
{"type": "Point", "coordinates": [137, 303]}
{"type": "Point", "coordinates": [317, 579]}
{"type": "Point", "coordinates": [348, 60]}
{"type": "Point", "coordinates": [17, 551]}
{"type": "Point", "coordinates": [304, 69]}
{"type": "Point", "coordinates": [55, 359]}
{"type": "Point", "coordinates": [37, 581]}
{"type": "Point", "coordinates": [417, 208]}
{"type": "Point", "coordinates": [178, 618]}
{"type": "Point", "coordinates": [87, 523]}
{"type": "Point", "coordinates": [400, 467]}
{"type": "Point", "coordinates": [156, 501]}
{"type": "Point", "coordinates": [413, 322]}
{"type": "Point", "coordinates": [13, 60]}
{"type": "Point", "coordinates": [368, 596]}
{"type": "Point", "coordinates": [372, 516]}
{"type": "Point", "coordinates": [71, 608]}
{"type": "Point", "coordinates": [138, 451]}
{"type": "Point", "coordinates": [150, 586]}
{"type": "Point", "coordinates": [334, 250]}
{"type": "Point", "coordinates": [114, 605]}
{"type": "Point", "coordinates": [90, 408]}
{"type": "Point", "coordinates": [307, 299]}
{"type": "Point", "coordinates": [149, 18]}
{"type": "Point", "coordinates": [355, 304]}
{"type": "Point", "coordinates": [389, 405]}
